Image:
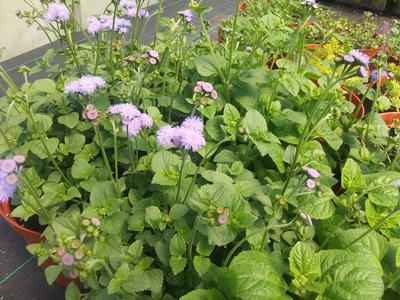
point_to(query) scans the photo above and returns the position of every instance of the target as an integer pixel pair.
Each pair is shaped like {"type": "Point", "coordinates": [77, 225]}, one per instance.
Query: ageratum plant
{"type": "Point", "coordinates": [175, 167]}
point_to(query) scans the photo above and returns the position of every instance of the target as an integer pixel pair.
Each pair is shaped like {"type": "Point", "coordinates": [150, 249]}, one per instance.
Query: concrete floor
{"type": "Point", "coordinates": [29, 283]}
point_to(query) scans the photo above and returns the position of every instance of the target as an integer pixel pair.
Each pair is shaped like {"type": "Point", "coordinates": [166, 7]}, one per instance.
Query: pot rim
{"type": "Point", "coordinates": [5, 212]}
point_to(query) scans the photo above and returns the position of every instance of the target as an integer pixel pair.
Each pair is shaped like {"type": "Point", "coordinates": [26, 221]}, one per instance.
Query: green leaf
{"type": "Point", "coordinates": [205, 64]}
{"type": "Point", "coordinates": [122, 273]}
{"type": "Point", "coordinates": [177, 245]}
{"type": "Point", "coordinates": [216, 177]}
{"type": "Point", "coordinates": [349, 276]}
{"type": "Point", "coordinates": [257, 276]}
{"type": "Point", "coordinates": [72, 292]}
{"type": "Point", "coordinates": [42, 123]}
{"type": "Point", "coordinates": [114, 286]}
{"type": "Point", "coordinates": [351, 176]}
{"type": "Point", "coordinates": [153, 213]}
{"type": "Point", "coordinates": [214, 129]}
{"type": "Point", "coordinates": [156, 278]}
{"type": "Point", "coordinates": [178, 211]}
{"type": "Point", "coordinates": [177, 264]}
{"type": "Point", "coordinates": [274, 150]}
{"type": "Point", "coordinates": [384, 195]}
{"type": "Point", "coordinates": [52, 273]}
{"type": "Point", "coordinates": [372, 243]}
{"type": "Point", "coordinates": [38, 149]}
{"type": "Point", "coordinates": [303, 261]}
{"type": "Point", "coordinates": [136, 249]}
{"type": "Point", "coordinates": [47, 86]}
{"type": "Point", "coordinates": [166, 168]}
{"type": "Point", "coordinates": [103, 191]}
{"type": "Point", "coordinates": [255, 122]}
{"type": "Point", "coordinates": [318, 207]}
{"type": "Point", "coordinates": [75, 142]}
{"type": "Point", "coordinates": [231, 115]}
{"type": "Point", "coordinates": [201, 264]}
{"type": "Point", "coordinates": [82, 169]}
{"type": "Point", "coordinates": [221, 235]}
{"type": "Point", "coordinates": [200, 294]}
{"type": "Point", "coordinates": [70, 120]}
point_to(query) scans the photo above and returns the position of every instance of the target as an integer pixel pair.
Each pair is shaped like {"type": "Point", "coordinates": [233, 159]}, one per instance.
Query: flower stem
{"type": "Point", "coordinates": [184, 155]}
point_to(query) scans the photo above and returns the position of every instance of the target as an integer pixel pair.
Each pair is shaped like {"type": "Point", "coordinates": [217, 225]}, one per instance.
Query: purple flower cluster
{"type": "Point", "coordinates": [384, 74]}
{"type": "Point", "coordinates": [152, 56]}
{"type": "Point", "coordinates": [187, 14]}
{"type": "Point", "coordinates": [312, 3]}
{"type": "Point", "coordinates": [314, 174]}
{"type": "Point", "coordinates": [132, 9]}
{"type": "Point", "coordinates": [56, 12]}
{"type": "Point", "coordinates": [362, 71]}
{"type": "Point", "coordinates": [207, 88]}
{"type": "Point", "coordinates": [132, 119]}
{"type": "Point", "coordinates": [87, 85]}
{"type": "Point", "coordinates": [8, 177]}
{"type": "Point", "coordinates": [91, 114]}
{"type": "Point", "coordinates": [96, 25]}
{"type": "Point", "coordinates": [189, 135]}
{"type": "Point", "coordinates": [357, 56]}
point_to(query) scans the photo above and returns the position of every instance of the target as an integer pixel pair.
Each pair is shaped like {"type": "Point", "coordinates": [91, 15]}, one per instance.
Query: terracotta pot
{"type": "Point", "coordinates": [356, 101]}
{"type": "Point", "coordinates": [374, 51]}
{"type": "Point", "coordinates": [30, 236]}
{"type": "Point", "coordinates": [296, 26]}
{"type": "Point", "coordinates": [242, 6]}
{"type": "Point", "coordinates": [389, 117]}
{"type": "Point", "coordinates": [33, 237]}
{"type": "Point", "coordinates": [312, 46]}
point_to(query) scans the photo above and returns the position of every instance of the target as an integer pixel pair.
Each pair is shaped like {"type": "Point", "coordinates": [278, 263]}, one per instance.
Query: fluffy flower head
{"type": "Point", "coordinates": [56, 12]}
{"type": "Point", "coordinates": [87, 85]}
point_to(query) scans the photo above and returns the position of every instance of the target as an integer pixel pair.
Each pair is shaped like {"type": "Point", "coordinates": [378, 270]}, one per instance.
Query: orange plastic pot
{"type": "Point", "coordinates": [242, 6]}
{"type": "Point", "coordinates": [389, 117]}
{"type": "Point", "coordinates": [374, 51]}
{"type": "Point", "coordinates": [312, 46]}
{"type": "Point", "coordinates": [356, 101]}
{"type": "Point", "coordinates": [33, 237]}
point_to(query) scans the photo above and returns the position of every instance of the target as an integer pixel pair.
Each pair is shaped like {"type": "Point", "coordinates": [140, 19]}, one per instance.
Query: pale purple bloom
{"type": "Point", "coordinates": [223, 219]}
{"type": "Point", "coordinates": [126, 111]}
{"type": "Point", "coordinates": [193, 123]}
{"type": "Point", "coordinates": [214, 94]}
{"type": "Point", "coordinates": [153, 53]}
{"type": "Point", "coordinates": [67, 260]}
{"type": "Point", "coordinates": [19, 159]}
{"type": "Point", "coordinates": [134, 121]}
{"type": "Point", "coordinates": [122, 25]}
{"type": "Point", "coordinates": [348, 58]}
{"type": "Point", "coordinates": [79, 254]}
{"type": "Point", "coordinates": [56, 12]}
{"type": "Point", "coordinates": [143, 13]}
{"type": "Point", "coordinates": [307, 218]}
{"type": "Point", "coordinates": [312, 172]}
{"type": "Point", "coordinates": [363, 72]}
{"type": "Point", "coordinates": [87, 85]}
{"type": "Point", "coordinates": [197, 89]}
{"type": "Point", "coordinates": [310, 184]}
{"type": "Point", "coordinates": [146, 120]}
{"type": "Point", "coordinates": [11, 179]}
{"type": "Point", "coordinates": [94, 25]}
{"type": "Point", "coordinates": [95, 222]}
{"type": "Point", "coordinates": [6, 190]}
{"type": "Point", "coordinates": [92, 114]}
{"type": "Point", "coordinates": [360, 57]}
{"type": "Point", "coordinates": [208, 87]}
{"type": "Point", "coordinates": [152, 60]}
{"type": "Point", "coordinates": [127, 4]}
{"type": "Point", "coordinates": [190, 139]}
{"type": "Point", "coordinates": [73, 274]}
{"type": "Point", "coordinates": [61, 251]}
{"type": "Point", "coordinates": [375, 74]}
{"type": "Point", "coordinates": [8, 165]}
{"type": "Point", "coordinates": [132, 9]}
{"type": "Point", "coordinates": [165, 135]}
{"type": "Point", "coordinates": [106, 22]}
{"type": "Point", "coordinates": [187, 14]}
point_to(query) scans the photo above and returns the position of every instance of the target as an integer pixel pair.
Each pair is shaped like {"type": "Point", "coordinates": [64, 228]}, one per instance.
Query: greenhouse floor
{"type": "Point", "coordinates": [20, 278]}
